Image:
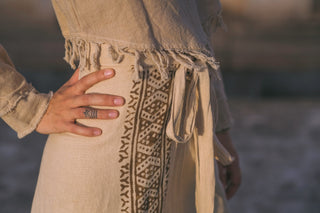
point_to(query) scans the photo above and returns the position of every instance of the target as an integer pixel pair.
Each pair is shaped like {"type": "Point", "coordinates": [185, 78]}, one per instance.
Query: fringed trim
{"type": "Point", "coordinates": [88, 54]}
{"type": "Point", "coordinates": [213, 22]}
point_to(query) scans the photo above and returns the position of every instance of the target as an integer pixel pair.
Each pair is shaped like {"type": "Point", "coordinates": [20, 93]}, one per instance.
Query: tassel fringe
{"type": "Point", "coordinates": [87, 54]}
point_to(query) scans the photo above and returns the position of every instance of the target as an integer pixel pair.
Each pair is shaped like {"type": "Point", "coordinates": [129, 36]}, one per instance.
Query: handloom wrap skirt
{"type": "Point", "coordinates": [133, 166]}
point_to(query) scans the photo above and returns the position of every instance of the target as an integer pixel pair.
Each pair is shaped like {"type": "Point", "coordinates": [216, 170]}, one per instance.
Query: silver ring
{"type": "Point", "coordinates": [90, 113]}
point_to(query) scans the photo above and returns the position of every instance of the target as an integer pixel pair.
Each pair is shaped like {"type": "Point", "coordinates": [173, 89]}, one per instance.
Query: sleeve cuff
{"type": "Point", "coordinates": [27, 113]}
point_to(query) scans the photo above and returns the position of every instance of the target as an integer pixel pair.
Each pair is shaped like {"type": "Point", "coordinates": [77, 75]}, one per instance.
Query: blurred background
{"type": "Point", "coordinates": [270, 58]}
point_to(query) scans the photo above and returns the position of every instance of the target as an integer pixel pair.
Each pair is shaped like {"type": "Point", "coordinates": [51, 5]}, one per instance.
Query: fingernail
{"type": "Point", "coordinates": [118, 101]}
{"type": "Point", "coordinates": [113, 114]}
{"type": "Point", "coordinates": [97, 132]}
{"type": "Point", "coordinates": [107, 73]}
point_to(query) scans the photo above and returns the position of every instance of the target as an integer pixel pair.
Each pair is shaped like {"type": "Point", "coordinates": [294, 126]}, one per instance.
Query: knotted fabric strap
{"type": "Point", "coordinates": [190, 108]}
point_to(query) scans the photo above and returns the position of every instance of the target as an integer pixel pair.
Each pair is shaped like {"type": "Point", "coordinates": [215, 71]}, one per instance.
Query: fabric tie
{"type": "Point", "coordinates": [190, 108]}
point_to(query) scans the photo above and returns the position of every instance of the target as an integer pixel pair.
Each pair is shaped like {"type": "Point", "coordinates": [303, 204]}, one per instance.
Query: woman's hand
{"type": "Point", "coordinates": [230, 175]}
{"type": "Point", "coordinates": [70, 103]}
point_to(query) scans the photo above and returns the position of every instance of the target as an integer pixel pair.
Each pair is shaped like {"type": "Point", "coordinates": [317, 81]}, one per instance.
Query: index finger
{"type": "Point", "coordinates": [74, 78]}
{"type": "Point", "coordinates": [89, 80]}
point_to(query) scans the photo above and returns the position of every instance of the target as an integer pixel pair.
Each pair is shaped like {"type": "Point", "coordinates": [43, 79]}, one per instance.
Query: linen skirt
{"type": "Point", "coordinates": [133, 166]}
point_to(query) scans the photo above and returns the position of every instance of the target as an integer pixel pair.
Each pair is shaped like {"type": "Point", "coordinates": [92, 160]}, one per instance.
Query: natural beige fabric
{"type": "Point", "coordinates": [162, 31]}
{"type": "Point", "coordinates": [133, 166]}
{"type": "Point", "coordinates": [124, 33]}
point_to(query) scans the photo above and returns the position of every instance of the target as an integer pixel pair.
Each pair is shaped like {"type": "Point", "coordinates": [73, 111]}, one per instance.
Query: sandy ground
{"type": "Point", "coordinates": [278, 142]}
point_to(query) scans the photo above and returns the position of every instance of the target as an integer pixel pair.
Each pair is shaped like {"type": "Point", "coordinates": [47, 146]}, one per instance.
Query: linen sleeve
{"type": "Point", "coordinates": [21, 105]}
{"type": "Point", "coordinates": [221, 110]}
{"type": "Point", "coordinates": [211, 18]}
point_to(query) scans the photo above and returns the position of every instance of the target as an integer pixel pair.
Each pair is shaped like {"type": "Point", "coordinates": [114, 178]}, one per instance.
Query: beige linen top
{"type": "Point", "coordinates": [163, 30]}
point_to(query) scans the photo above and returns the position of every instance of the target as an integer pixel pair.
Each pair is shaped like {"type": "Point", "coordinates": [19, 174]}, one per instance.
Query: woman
{"type": "Point", "coordinates": [155, 151]}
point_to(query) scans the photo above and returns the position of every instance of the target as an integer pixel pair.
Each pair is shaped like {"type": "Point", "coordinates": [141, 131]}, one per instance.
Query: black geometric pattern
{"type": "Point", "coordinates": [145, 151]}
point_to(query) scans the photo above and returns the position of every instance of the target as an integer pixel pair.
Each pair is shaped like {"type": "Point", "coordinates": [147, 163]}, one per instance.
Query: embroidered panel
{"type": "Point", "coordinates": [145, 150]}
